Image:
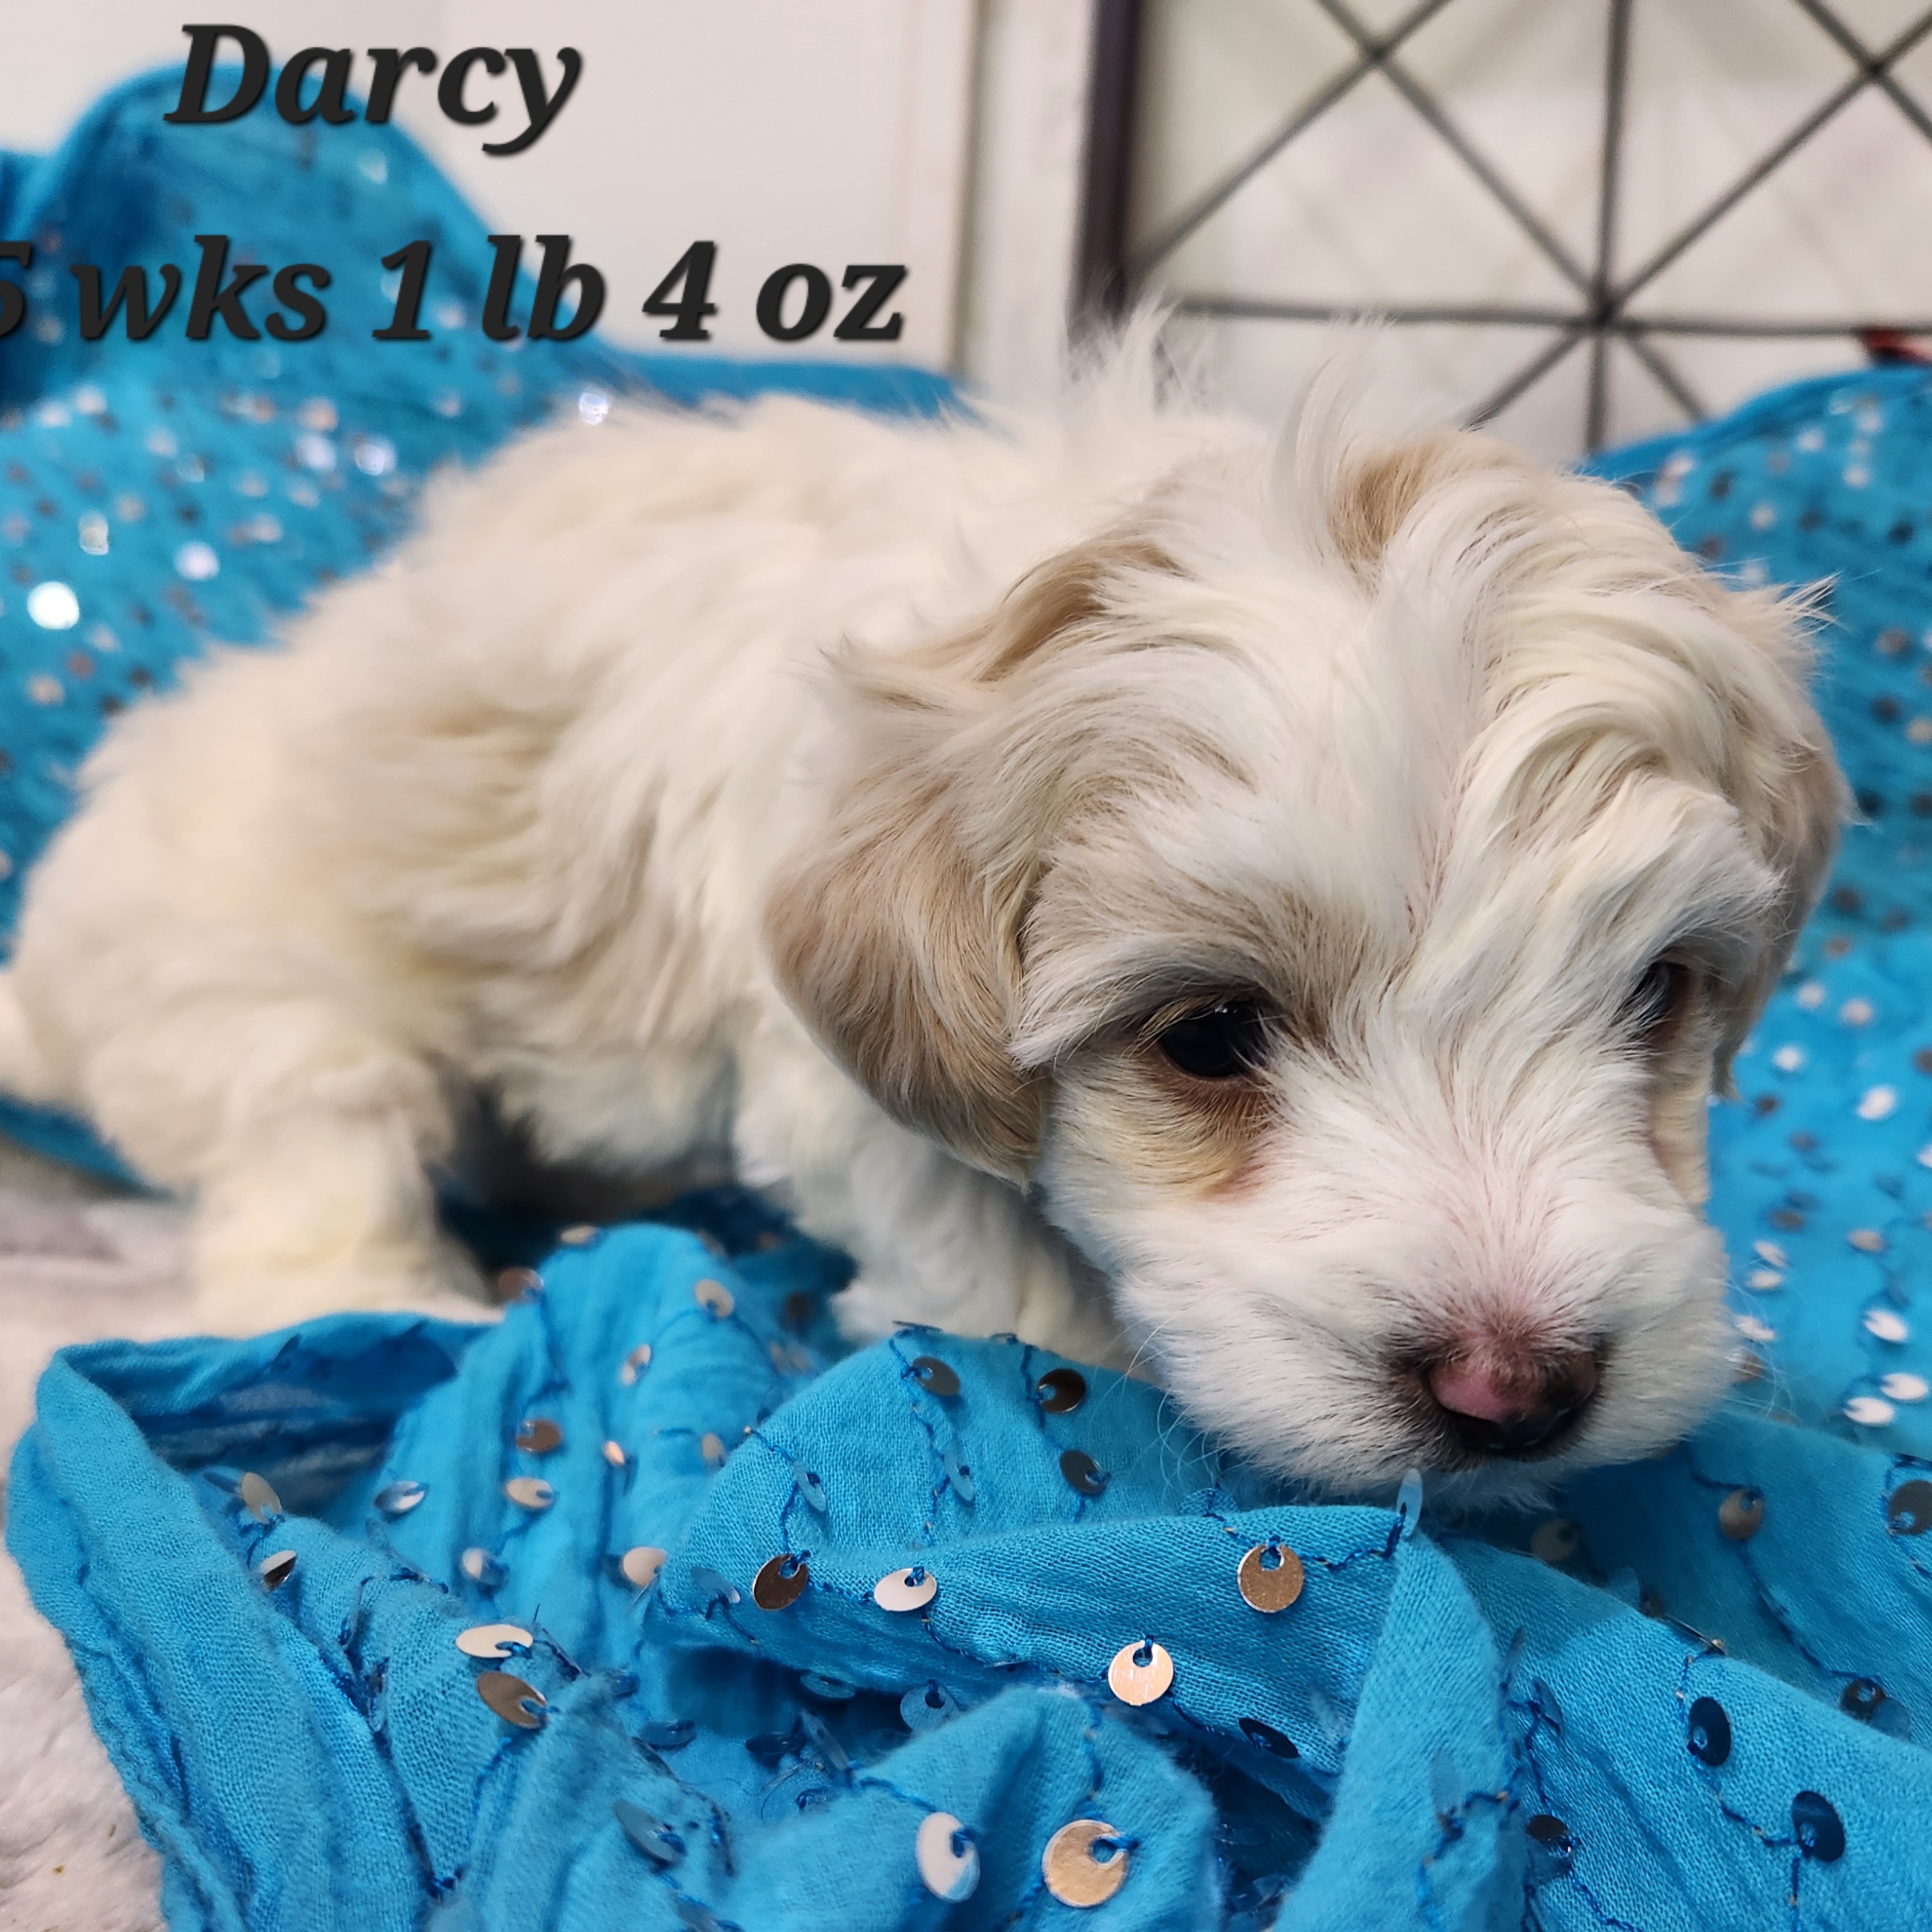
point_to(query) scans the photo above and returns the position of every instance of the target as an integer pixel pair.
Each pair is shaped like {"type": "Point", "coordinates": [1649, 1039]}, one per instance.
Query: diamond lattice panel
{"type": "Point", "coordinates": [1370, 207]}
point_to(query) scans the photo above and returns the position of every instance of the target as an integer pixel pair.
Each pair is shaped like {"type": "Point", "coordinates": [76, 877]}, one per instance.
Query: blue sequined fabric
{"type": "Point", "coordinates": [772, 1611]}
{"type": "Point", "coordinates": [1697, 1694]}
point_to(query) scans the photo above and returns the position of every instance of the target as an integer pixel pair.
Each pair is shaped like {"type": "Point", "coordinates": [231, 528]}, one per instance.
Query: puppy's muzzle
{"type": "Point", "coordinates": [1507, 1406]}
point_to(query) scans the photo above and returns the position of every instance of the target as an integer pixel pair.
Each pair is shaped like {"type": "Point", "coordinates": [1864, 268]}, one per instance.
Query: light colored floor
{"type": "Point", "coordinates": [78, 1261]}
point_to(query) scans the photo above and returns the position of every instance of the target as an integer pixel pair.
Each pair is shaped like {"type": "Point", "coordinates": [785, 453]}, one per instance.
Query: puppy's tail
{"type": "Point", "coordinates": [25, 1074]}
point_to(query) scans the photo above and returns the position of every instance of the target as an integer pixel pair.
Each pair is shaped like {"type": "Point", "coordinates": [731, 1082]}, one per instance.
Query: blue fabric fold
{"type": "Point", "coordinates": [1443, 1729]}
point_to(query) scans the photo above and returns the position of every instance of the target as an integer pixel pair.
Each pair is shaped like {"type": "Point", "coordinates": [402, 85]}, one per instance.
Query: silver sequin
{"type": "Point", "coordinates": [1141, 1673]}
{"type": "Point", "coordinates": [936, 1377]}
{"type": "Point", "coordinates": [1271, 1586]}
{"type": "Point", "coordinates": [512, 1699]}
{"type": "Point", "coordinates": [925, 1707]}
{"type": "Point", "coordinates": [1741, 1515]}
{"type": "Point", "coordinates": [780, 1582]}
{"type": "Point", "coordinates": [1408, 1502]}
{"type": "Point", "coordinates": [259, 1497]}
{"type": "Point", "coordinates": [654, 1838]}
{"type": "Point", "coordinates": [1554, 1541]}
{"type": "Point", "coordinates": [492, 1640]}
{"type": "Point", "coordinates": [481, 1566]}
{"type": "Point", "coordinates": [947, 1860]}
{"type": "Point", "coordinates": [911, 1589]}
{"type": "Point", "coordinates": [1060, 1391]}
{"type": "Point", "coordinates": [713, 1587]}
{"type": "Point", "coordinates": [640, 1565]}
{"type": "Point", "coordinates": [1076, 1872]}
{"type": "Point", "coordinates": [53, 607]}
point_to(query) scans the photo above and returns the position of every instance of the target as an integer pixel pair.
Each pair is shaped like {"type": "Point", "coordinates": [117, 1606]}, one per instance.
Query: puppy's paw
{"type": "Point", "coordinates": [238, 1294]}
{"type": "Point", "coordinates": [866, 1311]}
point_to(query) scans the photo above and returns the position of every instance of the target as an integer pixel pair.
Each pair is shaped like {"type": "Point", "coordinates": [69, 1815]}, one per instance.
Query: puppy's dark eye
{"type": "Point", "coordinates": [1220, 1043]}
{"type": "Point", "coordinates": [1657, 1002]}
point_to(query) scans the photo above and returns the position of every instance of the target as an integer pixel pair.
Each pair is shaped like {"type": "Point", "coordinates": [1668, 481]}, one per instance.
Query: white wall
{"type": "Point", "coordinates": [832, 132]}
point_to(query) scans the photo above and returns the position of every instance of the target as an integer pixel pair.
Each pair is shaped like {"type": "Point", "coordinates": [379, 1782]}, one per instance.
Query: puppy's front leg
{"type": "Point", "coordinates": [323, 1210]}
{"type": "Point", "coordinates": [938, 1242]}
{"type": "Point", "coordinates": [935, 1240]}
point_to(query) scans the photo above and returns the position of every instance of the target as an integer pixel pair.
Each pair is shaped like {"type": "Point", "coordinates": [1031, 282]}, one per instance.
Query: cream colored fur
{"type": "Point", "coordinates": [830, 799]}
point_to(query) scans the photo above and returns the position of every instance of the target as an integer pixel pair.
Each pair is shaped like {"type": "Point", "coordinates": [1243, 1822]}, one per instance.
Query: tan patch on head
{"type": "Point", "coordinates": [1680, 1126]}
{"type": "Point", "coordinates": [895, 930]}
{"type": "Point", "coordinates": [1375, 497]}
{"type": "Point", "coordinates": [1163, 1131]}
{"type": "Point", "coordinates": [1782, 774]}
{"type": "Point", "coordinates": [1779, 768]}
{"type": "Point", "coordinates": [1797, 828]}
{"type": "Point", "coordinates": [884, 941]}
{"type": "Point", "coordinates": [1679, 1099]}
{"type": "Point", "coordinates": [1064, 596]}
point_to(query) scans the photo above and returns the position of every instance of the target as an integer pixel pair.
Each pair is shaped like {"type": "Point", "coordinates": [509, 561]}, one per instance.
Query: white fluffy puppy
{"type": "Point", "coordinates": [1276, 908]}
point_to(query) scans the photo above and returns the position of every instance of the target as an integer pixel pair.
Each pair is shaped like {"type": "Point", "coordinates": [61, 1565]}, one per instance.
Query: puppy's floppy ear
{"type": "Point", "coordinates": [896, 932]}
{"type": "Point", "coordinates": [1785, 780]}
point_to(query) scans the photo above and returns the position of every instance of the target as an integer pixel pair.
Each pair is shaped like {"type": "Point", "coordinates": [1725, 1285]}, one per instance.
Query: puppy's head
{"type": "Point", "coordinates": [1337, 892]}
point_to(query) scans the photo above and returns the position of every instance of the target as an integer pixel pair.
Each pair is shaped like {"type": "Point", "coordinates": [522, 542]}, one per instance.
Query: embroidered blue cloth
{"type": "Point", "coordinates": [1698, 1694]}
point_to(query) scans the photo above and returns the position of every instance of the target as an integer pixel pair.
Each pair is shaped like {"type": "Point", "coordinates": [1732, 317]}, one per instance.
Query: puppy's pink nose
{"type": "Point", "coordinates": [1472, 1390]}
{"type": "Point", "coordinates": [1508, 1405]}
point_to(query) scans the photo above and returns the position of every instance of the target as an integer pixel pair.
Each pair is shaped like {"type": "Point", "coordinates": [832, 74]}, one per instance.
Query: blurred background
{"type": "Point", "coordinates": [1591, 220]}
